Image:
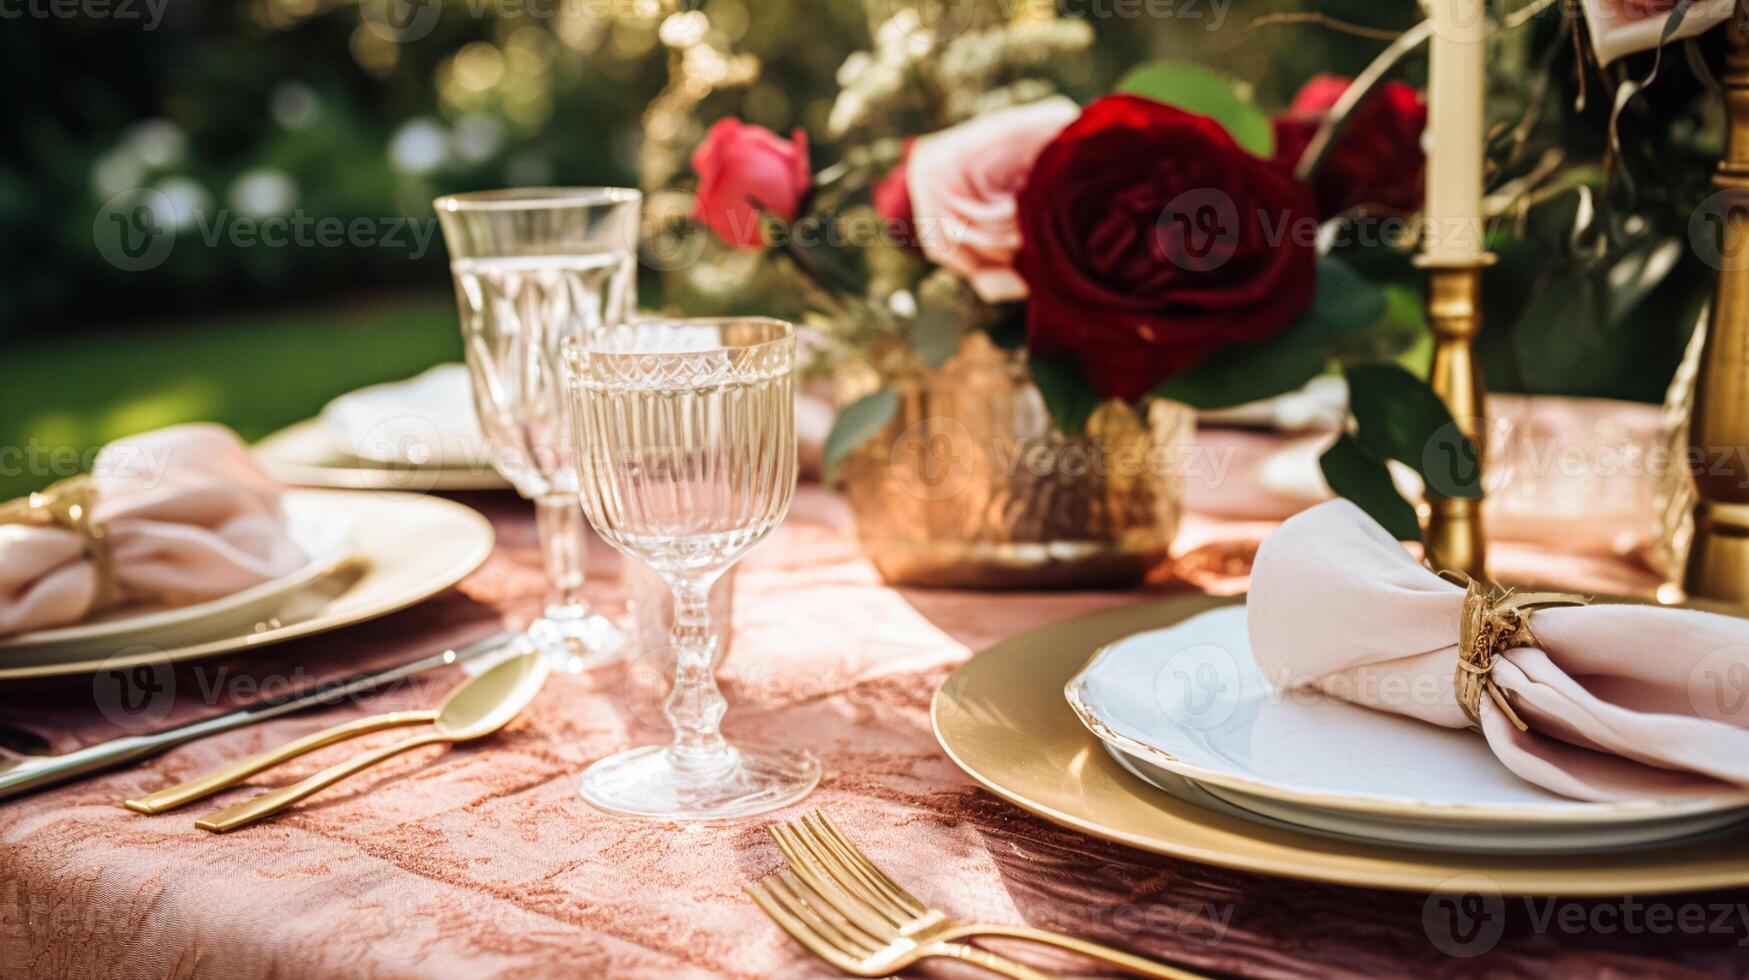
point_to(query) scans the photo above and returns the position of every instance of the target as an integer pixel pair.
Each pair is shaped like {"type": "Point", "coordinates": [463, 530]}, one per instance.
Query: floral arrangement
{"type": "Point", "coordinates": [1169, 239]}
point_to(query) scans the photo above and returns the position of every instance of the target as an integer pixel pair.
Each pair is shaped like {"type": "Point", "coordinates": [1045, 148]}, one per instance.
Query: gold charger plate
{"type": "Point", "coordinates": [406, 547]}
{"type": "Point", "coordinates": [300, 455]}
{"type": "Point", "coordinates": [1003, 719]}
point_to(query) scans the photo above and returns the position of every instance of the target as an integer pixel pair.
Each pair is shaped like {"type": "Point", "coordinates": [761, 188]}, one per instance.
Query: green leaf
{"type": "Point", "coordinates": [1397, 416]}
{"type": "Point", "coordinates": [935, 334]}
{"type": "Point", "coordinates": [1359, 476]}
{"type": "Point", "coordinates": [1343, 305]}
{"type": "Point", "coordinates": [858, 421]}
{"type": "Point", "coordinates": [1195, 88]}
{"type": "Point", "coordinates": [1068, 396]}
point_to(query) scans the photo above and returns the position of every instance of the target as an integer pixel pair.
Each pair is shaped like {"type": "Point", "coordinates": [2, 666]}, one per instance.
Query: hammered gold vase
{"type": "Point", "coordinates": [971, 485]}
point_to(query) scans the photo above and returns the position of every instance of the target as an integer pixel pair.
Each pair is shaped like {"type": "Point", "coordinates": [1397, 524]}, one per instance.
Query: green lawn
{"type": "Point", "coordinates": [255, 373]}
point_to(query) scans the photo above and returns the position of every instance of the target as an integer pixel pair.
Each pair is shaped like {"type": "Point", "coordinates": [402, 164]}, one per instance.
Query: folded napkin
{"type": "Point", "coordinates": [166, 518]}
{"type": "Point", "coordinates": [1622, 702]}
{"type": "Point", "coordinates": [426, 420]}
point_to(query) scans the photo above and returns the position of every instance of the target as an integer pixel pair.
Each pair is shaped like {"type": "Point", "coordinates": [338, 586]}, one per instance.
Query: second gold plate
{"type": "Point", "coordinates": [1003, 719]}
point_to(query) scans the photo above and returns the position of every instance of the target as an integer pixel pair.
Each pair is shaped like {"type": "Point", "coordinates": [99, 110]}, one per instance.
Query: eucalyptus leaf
{"type": "Point", "coordinates": [1359, 476]}
{"type": "Point", "coordinates": [859, 421]}
{"type": "Point", "coordinates": [1069, 397]}
{"type": "Point", "coordinates": [1397, 416]}
{"type": "Point", "coordinates": [935, 334]}
{"type": "Point", "coordinates": [1195, 88]}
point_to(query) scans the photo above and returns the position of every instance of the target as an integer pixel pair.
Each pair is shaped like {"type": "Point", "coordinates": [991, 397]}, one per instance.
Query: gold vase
{"type": "Point", "coordinates": [970, 485]}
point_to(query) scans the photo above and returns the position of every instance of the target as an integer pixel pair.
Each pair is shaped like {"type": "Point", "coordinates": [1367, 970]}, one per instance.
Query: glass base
{"type": "Point", "coordinates": [647, 782]}
{"type": "Point", "coordinates": [573, 641]}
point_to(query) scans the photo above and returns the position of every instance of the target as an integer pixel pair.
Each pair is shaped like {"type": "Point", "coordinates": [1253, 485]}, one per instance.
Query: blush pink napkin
{"type": "Point", "coordinates": [188, 515]}
{"type": "Point", "coordinates": [1623, 701]}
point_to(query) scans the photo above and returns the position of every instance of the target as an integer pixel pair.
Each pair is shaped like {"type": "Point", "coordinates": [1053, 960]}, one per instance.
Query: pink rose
{"type": "Point", "coordinates": [1621, 27]}
{"type": "Point", "coordinates": [963, 183]}
{"type": "Point", "coordinates": [746, 170]}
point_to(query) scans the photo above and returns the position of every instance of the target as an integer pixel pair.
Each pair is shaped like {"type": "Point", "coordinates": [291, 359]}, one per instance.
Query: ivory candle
{"type": "Point", "coordinates": [1454, 230]}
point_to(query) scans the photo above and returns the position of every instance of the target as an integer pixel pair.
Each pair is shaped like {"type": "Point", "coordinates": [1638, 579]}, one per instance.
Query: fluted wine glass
{"type": "Point", "coordinates": [532, 267]}
{"type": "Point", "coordinates": [686, 460]}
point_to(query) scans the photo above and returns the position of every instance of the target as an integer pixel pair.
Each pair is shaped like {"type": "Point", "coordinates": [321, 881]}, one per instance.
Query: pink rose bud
{"type": "Point", "coordinates": [746, 171]}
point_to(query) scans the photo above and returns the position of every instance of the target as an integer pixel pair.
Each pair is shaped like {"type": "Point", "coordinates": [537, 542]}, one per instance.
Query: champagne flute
{"type": "Point", "coordinates": [532, 267]}
{"type": "Point", "coordinates": [687, 459]}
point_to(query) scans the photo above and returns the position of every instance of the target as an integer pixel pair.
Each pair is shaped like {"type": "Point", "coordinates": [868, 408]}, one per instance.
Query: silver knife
{"type": "Point", "coordinates": [30, 773]}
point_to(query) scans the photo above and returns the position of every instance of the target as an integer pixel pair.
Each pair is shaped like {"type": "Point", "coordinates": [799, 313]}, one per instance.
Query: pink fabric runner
{"type": "Point", "coordinates": [482, 861]}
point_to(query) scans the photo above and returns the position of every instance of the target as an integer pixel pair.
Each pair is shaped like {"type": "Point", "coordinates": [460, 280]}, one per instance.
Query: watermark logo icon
{"type": "Point", "coordinates": [1718, 686]}
{"type": "Point", "coordinates": [933, 458]}
{"type": "Point", "coordinates": [1465, 917]}
{"type": "Point", "coordinates": [1199, 687]}
{"type": "Point", "coordinates": [133, 230]}
{"type": "Point", "coordinates": [1199, 230]}
{"type": "Point", "coordinates": [135, 688]}
{"type": "Point", "coordinates": [1718, 230]}
{"type": "Point", "coordinates": [400, 21]}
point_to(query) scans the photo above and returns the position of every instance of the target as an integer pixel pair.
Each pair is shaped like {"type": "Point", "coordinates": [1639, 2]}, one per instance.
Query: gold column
{"type": "Point", "coordinates": [1454, 537]}
{"type": "Point", "coordinates": [1718, 563]}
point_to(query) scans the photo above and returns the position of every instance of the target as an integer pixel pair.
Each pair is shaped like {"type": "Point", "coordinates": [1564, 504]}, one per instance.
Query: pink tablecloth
{"type": "Point", "coordinates": [482, 861]}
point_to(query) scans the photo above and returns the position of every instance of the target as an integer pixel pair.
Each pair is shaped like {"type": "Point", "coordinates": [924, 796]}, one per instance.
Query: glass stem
{"type": "Point", "coordinates": [695, 707]}
{"type": "Point", "coordinates": [564, 547]}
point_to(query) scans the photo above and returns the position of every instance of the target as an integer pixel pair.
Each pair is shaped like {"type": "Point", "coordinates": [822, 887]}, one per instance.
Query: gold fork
{"type": "Point", "coordinates": [854, 940]}
{"type": "Point", "coordinates": [828, 863]}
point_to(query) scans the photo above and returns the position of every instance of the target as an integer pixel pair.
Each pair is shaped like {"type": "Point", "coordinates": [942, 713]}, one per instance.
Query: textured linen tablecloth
{"type": "Point", "coordinates": [482, 861]}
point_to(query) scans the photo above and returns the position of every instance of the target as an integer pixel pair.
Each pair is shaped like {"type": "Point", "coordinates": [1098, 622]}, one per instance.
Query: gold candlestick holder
{"type": "Point", "coordinates": [1454, 537]}
{"type": "Point", "coordinates": [1718, 560]}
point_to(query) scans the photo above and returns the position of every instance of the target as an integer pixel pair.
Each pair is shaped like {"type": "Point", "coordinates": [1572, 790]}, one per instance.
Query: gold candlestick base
{"type": "Point", "coordinates": [1718, 561]}
{"type": "Point", "coordinates": [1454, 535]}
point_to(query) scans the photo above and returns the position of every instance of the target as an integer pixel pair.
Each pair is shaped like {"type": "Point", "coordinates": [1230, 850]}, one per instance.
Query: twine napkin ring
{"type": "Point", "coordinates": [1494, 621]}
{"type": "Point", "coordinates": [67, 504]}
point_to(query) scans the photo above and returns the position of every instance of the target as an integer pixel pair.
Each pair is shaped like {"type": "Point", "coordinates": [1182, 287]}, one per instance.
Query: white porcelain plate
{"type": "Point", "coordinates": [1189, 700]}
{"type": "Point", "coordinates": [324, 535]}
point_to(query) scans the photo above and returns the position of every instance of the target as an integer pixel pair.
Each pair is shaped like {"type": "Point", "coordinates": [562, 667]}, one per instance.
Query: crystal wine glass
{"type": "Point", "coordinates": [687, 459]}
{"type": "Point", "coordinates": [533, 267]}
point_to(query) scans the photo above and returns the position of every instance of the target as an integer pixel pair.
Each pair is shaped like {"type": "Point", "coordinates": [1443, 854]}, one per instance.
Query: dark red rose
{"type": "Point", "coordinates": [1376, 161]}
{"type": "Point", "coordinates": [746, 170]}
{"type": "Point", "coordinates": [892, 200]}
{"type": "Point", "coordinates": [1150, 239]}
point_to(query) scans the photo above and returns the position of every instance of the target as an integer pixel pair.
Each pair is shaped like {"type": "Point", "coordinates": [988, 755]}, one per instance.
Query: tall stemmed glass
{"type": "Point", "coordinates": [687, 459]}
{"type": "Point", "coordinates": [533, 267]}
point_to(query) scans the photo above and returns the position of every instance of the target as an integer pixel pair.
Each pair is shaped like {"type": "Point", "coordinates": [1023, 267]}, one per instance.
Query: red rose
{"type": "Point", "coordinates": [1150, 239]}
{"type": "Point", "coordinates": [1377, 160]}
{"type": "Point", "coordinates": [892, 200]}
{"type": "Point", "coordinates": [746, 170]}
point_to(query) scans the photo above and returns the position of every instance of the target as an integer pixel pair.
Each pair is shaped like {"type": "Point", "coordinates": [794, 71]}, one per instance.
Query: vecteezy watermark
{"type": "Point", "coordinates": [1466, 917]}
{"type": "Point", "coordinates": [1201, 229]}
{"type": "Point", "coordinates": [953, 16]}
{"type": "Point", "coordinates": [147, 13]}
{"type": "Point", "coordinates": [136, 230]}
{"type": "Point", "coordinates": [138, 688]}
{"type": "Point", "coordinates": [143, 463]}
{"type": "Point", "coordinates": [937, 457]}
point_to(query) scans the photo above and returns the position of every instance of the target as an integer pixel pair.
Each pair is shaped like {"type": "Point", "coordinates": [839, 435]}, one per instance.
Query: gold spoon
{"type": "Point", "coordinates": [476, 708]}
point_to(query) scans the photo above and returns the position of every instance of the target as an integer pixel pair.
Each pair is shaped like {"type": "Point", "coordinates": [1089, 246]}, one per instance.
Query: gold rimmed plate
{"type": "Point", "coordinates": [1002, 718]}
{"type": "Point", "coordinates": [404, 548]}
{"type": "Point", "coordinates": [302, 455]}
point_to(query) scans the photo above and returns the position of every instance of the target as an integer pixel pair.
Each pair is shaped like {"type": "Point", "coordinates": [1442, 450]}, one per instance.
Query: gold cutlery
{"type": "Point", "coordinates": [174, 796]}
{"type": "Point", "coordinates": [477, 707]}
{"type": "Point", "coordinates": [880, 923]}
{"type": "Point", "coordinates": [29, 773]}
{"type": "Point", "coordinates": [833, 929]}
